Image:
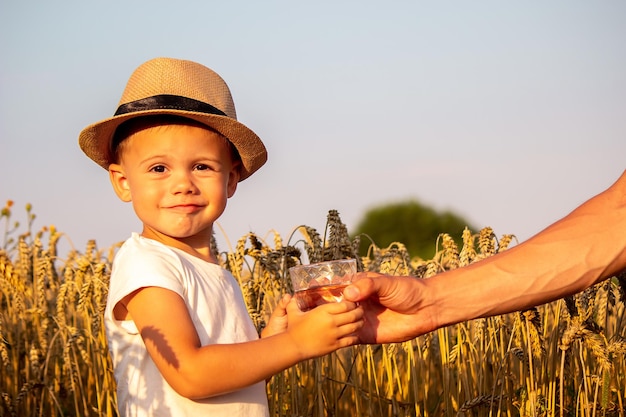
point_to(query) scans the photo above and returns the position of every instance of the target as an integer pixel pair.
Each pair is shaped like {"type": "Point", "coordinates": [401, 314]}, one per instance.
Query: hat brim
{"type": "Point", "coordinates": [95, 140]}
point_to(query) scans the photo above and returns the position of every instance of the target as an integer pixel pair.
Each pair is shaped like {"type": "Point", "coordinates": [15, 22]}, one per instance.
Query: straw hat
{"type": "Point", "coordinates": [182, 88]}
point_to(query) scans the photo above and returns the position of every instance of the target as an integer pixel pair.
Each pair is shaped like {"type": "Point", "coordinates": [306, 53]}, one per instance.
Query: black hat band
{"type": "Point", "coordinates": [168, 102]}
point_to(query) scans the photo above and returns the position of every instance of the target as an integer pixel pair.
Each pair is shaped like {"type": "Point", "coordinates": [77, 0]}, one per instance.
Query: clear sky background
{"type": "Point", "coordinates": [507, 113]}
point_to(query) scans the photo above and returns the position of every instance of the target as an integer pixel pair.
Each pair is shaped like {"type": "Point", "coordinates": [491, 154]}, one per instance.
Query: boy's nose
{"type": "Point", "coordinates": [182, 182]}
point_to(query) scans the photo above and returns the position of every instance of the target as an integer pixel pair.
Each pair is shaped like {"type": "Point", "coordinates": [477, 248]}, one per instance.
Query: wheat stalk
{"type": "Point", "coordinates": [54, 355]}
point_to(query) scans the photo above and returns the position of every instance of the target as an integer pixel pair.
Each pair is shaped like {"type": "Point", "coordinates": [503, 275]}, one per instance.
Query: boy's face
{"type": "Point", "coordinates": [178, 178]}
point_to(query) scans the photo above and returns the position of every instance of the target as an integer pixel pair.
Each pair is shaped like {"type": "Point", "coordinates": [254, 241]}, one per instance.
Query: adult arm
{"type": "Point", "coordinates": [583, 248]}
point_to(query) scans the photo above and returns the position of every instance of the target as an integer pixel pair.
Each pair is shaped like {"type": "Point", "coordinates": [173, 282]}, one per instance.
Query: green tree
{"type": "Point", "coordinates": [411, 223]}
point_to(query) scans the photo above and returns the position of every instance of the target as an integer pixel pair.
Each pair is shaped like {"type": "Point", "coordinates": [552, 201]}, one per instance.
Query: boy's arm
{"type": "Point", "coordinates": [196, 371]}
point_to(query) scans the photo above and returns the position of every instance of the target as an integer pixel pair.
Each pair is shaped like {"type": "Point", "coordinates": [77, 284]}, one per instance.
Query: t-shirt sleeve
{"type": "Point", "coordinates": [138, 267]}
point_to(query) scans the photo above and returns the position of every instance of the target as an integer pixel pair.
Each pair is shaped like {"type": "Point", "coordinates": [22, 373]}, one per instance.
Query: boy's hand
{"type": "Point", "coordinates": [278, 320]}
{"type": "Point", "coordinates": [325, 328]}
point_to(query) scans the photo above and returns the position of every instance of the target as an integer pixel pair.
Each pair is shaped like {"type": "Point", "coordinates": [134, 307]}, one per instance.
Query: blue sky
{"type": "Point", "coordinates": [507, 113]}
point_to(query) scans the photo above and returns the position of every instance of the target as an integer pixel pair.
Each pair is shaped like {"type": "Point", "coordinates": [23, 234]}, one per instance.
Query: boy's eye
{"type": "Point", "coordinates": [158, 168]}
{"type": "Point", "coordinates": [203, 167]}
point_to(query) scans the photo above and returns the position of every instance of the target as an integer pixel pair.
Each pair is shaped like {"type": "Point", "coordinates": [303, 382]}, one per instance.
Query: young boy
{"type": "Point", "coordinates": [179, 334]}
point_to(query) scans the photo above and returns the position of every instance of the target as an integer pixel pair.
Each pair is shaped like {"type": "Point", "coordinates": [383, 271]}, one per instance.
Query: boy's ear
{"type": "Point", "coordinates": [119, 182]}
{"type": "Point", "coordinates": [233, 180]}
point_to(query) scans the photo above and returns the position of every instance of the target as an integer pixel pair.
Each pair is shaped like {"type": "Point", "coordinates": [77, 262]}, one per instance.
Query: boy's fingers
{"type": "Point", "coordinates": [339, 307]}
{"type": "Point", "coordinates": [349, 340]}
{"type": "Point", "coordinates": [350, 317]}
{"type": "Point", "coordinates": [284, 301]}
{"type": "Point", "coordinates": [291, 306]}
{"type": "Point", "coordinates": [281, 307]}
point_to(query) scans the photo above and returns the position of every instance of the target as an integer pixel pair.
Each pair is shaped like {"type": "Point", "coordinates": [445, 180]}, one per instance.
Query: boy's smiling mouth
{"type": "Point", "coordinates": [185, 208]}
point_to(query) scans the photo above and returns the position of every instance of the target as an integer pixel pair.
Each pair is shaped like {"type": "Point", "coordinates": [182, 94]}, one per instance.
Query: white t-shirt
{"type": "Point", "coordinates": [218, 312]}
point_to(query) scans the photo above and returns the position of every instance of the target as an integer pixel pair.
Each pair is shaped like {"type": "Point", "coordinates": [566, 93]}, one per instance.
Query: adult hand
{"type": "Point", "coordinates": [396, 309]}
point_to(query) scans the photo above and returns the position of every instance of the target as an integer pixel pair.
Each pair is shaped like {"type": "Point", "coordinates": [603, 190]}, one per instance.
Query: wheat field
{"type": "Point", "coordinates": [566, 358]}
